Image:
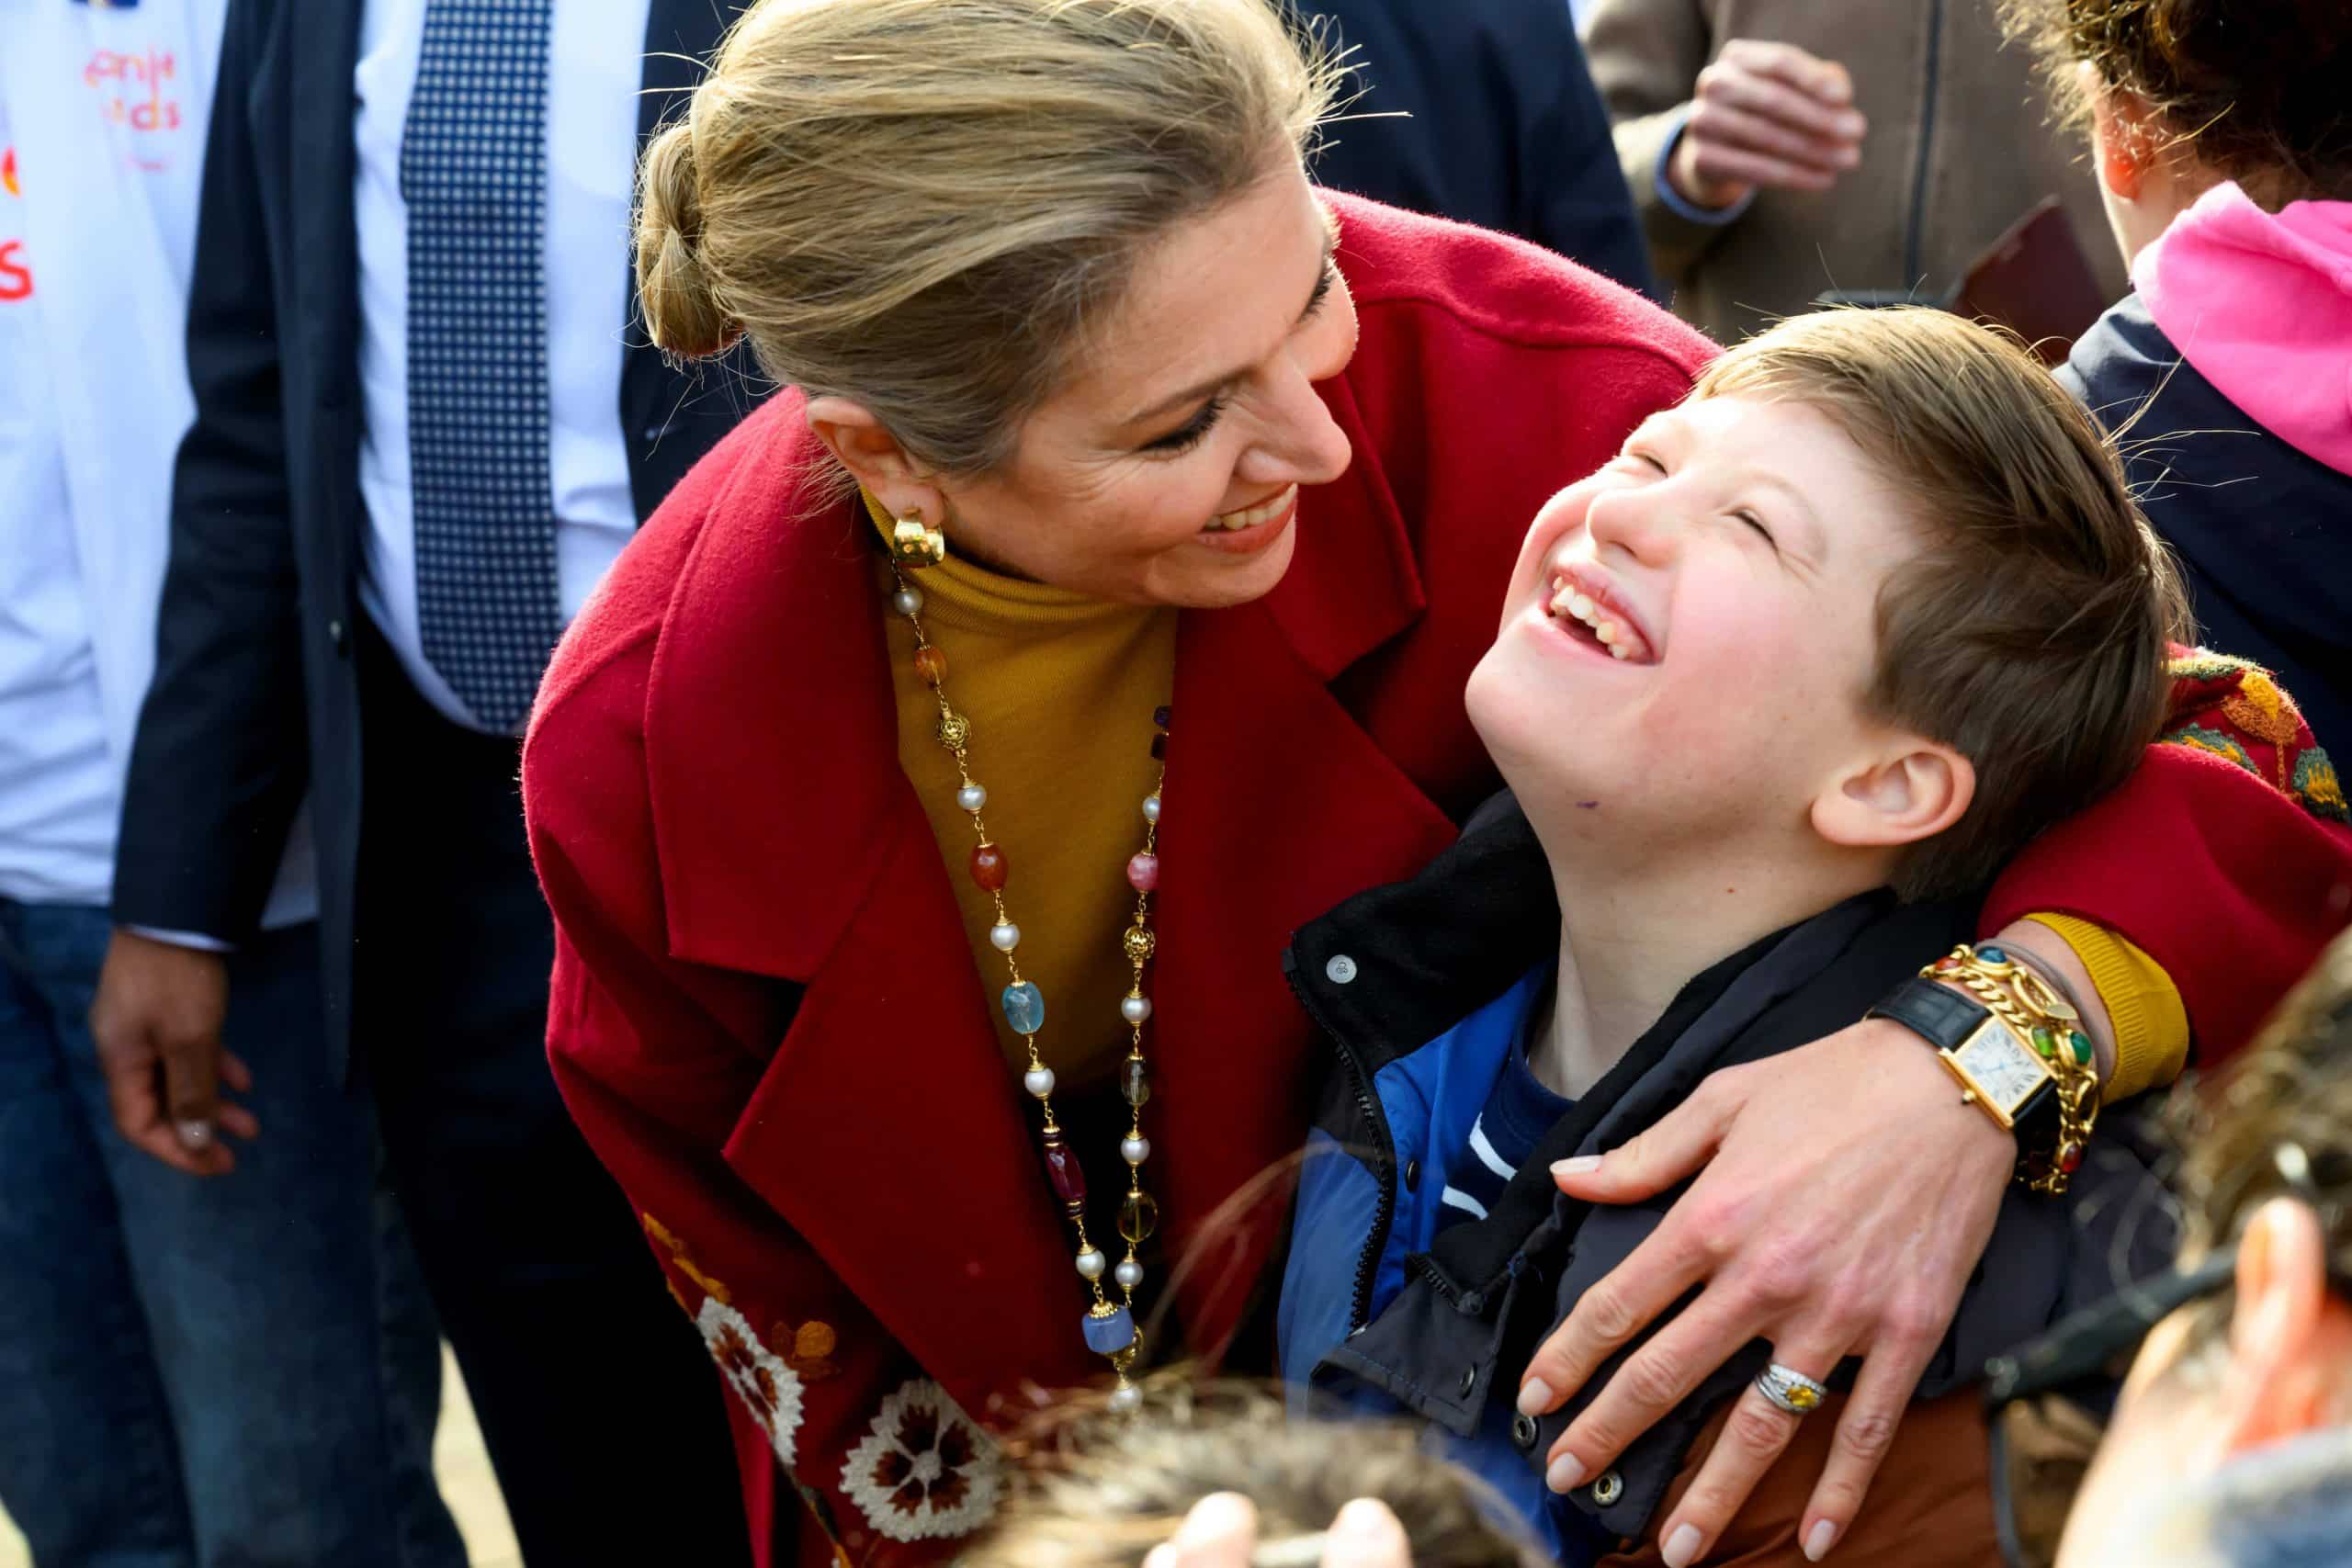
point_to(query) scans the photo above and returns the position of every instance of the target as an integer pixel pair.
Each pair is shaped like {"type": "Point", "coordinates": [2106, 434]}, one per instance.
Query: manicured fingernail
{"type": "Point", "coordinates": [1578, 1166]}
{"type": "Point", "coordinates": [1534, 1397]}
{"type": "Point", "coordinates": [195, 1135]}
{"type": "Point", "coordinates": [1681, 1548]}
{"type": "Point", "coordinates": [1823, 1537]}
{"type": "Point", "coordinates": [1565, 1472]}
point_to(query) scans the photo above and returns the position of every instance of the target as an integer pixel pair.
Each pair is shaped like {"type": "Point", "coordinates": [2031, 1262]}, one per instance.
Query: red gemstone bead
{"type": "Point", "coordinates": [990, 868]}
{"type": "Point", "coordinates": [2070, 1157]}
{"type": "Point", "coordinates": [1069, 1176]}
{"type": "Point", "coordinates": [932, 665]}
{"type": "Point", "coordinates": [1143, 873]}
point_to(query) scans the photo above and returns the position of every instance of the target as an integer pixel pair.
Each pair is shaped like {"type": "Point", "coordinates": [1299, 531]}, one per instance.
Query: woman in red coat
{"type": "Point", "coordinates": [1229, 474]}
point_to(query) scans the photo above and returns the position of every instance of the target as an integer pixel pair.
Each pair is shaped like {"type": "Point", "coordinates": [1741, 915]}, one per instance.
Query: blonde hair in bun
{"type": "Point", "coordinates": [680, 312]}
{"type": "Point", "coordinates": [924, 204]}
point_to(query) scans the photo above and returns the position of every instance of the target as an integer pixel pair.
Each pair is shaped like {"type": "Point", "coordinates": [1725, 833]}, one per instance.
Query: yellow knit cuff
{"type": "Point", "coordinates": [2150, 1024]}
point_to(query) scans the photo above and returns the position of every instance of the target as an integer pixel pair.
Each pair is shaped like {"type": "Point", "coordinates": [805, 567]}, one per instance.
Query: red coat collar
{"type": "Point", "coordinates": [886, 1129]}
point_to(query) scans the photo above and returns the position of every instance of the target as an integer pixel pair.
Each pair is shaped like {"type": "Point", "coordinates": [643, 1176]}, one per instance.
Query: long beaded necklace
{"type": "Point", "coordinates": [1109, 1326]}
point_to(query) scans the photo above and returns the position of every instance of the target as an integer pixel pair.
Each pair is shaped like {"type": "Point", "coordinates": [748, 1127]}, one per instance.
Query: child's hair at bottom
{"type": "Point", "coordinates": [1099, 1490]}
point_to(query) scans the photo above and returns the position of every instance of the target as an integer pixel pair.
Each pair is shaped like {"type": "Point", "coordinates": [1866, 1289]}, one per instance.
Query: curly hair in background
{"type": "Point", "coordinates": [2255, 88]}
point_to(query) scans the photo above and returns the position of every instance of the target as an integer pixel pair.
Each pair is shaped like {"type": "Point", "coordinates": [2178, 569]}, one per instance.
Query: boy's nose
{"type": "Point", "coordinates": [1634, 520]}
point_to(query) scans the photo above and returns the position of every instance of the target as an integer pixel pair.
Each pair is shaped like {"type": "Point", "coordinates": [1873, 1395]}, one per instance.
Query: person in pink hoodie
{"type": "Point", "coordinates": [2221, 137]}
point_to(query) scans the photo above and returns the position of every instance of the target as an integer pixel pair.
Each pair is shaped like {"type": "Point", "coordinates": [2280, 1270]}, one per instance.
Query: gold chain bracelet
{"type": "Point", "coordinates": [2032, 1008]}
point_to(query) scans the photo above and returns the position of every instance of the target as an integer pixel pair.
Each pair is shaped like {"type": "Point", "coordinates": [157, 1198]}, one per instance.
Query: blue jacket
{"type": "Point", "coordinates": [1420, 989]}
{"type": "Point", "coordinates": [2263, 531]}
{"type": "Point", "coordinates": [1482, 111]}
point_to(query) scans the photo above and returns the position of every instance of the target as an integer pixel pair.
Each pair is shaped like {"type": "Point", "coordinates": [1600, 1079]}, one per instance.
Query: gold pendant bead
{"type": "Point", "coordinates": [953, 730]}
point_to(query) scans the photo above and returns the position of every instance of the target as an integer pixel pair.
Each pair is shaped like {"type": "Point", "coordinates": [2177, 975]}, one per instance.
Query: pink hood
{"type": "Point", "coordinates": [2262, 305]}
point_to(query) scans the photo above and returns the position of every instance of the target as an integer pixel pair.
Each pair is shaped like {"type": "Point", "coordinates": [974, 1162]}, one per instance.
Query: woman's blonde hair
{"type": "Point", "coordinates": [924, 204]}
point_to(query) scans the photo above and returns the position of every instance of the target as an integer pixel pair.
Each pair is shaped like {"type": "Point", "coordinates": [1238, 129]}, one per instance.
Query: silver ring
{"type": "Point", "coordinates": [1790, 1389]}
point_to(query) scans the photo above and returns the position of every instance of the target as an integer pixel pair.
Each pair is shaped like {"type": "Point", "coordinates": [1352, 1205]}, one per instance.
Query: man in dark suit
{"type": "Point", "coordinates": [1482, 111]}
{"type": "Point", "coordinates": [425, 425]}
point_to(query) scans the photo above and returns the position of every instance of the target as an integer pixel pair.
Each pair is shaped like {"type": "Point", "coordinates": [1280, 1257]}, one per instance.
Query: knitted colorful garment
{"type": "Point", "coordinates": [2234, 709]}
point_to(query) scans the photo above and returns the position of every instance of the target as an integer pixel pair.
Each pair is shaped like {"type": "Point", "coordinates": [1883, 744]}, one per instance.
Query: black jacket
{"type": "Point", "coordinates": [1482, 111]}
{"type": "Point", "coordinates": [1449, 1344]}
{"type": "Point", "coordinates": [255, 698]}
{"type": "Point", "coordinates": [2263, 531]}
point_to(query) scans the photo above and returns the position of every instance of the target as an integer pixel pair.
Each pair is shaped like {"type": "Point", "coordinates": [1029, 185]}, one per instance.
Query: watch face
{"type": "Point", "coordinates": [1999, 1067]}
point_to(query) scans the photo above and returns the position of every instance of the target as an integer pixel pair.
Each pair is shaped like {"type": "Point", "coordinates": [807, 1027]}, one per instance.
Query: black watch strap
{"type": "Point", "coordinates": [1945, 1018]}
{"type": "Point", "coordinates": [1937, 1014]}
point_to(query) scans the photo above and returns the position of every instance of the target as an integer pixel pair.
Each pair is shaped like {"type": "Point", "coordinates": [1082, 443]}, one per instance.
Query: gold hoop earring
{"type": "Point", "coordinates": [914, 545]}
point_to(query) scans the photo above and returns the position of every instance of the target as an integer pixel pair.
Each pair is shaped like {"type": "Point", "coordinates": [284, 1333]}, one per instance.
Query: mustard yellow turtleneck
{"type": "Point", "coordinates": [1059, 690]}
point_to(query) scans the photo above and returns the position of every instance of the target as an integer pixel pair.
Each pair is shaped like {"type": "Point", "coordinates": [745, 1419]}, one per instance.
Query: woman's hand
{"type": "Point", "coordinates": [1222, 1532]}
{"type": "Point", "coordinates": [1846, 1195]}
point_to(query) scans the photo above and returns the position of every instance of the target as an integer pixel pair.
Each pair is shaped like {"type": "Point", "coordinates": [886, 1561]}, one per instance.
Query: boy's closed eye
{"type": "Point", "coordinates": [1650, 464]}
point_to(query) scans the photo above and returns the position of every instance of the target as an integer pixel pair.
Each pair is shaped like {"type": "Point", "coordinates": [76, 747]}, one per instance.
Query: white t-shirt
{"type": "Point", "coordinates": [59, 802]}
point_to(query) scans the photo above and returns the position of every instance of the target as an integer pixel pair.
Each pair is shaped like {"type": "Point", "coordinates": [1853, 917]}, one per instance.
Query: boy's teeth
{"type": "Point", "coordinates": [1571, 601]}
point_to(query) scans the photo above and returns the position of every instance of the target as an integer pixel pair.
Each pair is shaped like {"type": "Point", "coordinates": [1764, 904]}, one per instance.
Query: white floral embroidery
{"type": "Point", "coordinates": [924, 1471]}
{"type": "Point", "coordinates": [769, 1389]}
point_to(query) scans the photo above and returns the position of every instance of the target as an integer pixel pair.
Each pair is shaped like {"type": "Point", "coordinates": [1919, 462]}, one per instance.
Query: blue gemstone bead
{"type": "Point", "coordinates": [1024, 1008]}
{"type": "Point", "coordinates": [1991, 954]}
{"type": "Point", "coordinates": [1110, 1334]}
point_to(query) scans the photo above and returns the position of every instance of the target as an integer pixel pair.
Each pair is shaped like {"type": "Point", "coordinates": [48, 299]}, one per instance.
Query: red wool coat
{"type": "Point", "coordinates": [765, 1016]}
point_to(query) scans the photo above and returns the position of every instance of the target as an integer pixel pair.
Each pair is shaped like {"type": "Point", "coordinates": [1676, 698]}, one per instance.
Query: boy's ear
{"type": "Point", "coordinates": [1910, 791]}
{"type": "Point", "coordinates": [864, 444]}
{"type": "Point", "coordinates": [2123, 137]}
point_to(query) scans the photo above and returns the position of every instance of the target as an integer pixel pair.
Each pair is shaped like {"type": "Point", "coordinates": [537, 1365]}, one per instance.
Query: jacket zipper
{"type": "Point", "coordinates": [1383, 1214]}
{"type": "Point", "coordinates": [1914, 237]}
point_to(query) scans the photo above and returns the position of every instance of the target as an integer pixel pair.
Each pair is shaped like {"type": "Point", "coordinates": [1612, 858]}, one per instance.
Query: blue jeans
{"type": "Point", "coordinates": [227, 1372]}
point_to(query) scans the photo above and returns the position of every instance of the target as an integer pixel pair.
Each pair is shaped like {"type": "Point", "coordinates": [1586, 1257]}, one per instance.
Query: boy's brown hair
{"type": "Point", "coordinates": [2030, 630]}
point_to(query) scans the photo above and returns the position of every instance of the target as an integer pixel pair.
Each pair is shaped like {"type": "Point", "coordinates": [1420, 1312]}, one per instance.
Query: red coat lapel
{"type": "Point", "coordinates": [886, 1130]}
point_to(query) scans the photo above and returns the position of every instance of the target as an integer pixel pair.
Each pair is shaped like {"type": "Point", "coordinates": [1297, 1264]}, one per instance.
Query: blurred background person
{"type": "Point", "coordinates": [1482, 112]}
{"type": "Point", "coordinates": [1777, 149]}
{"type": "Point", "coordinates": [225, 1357]}
{"type": "Point", "coordinates": [2232, 1445]}
{"type": "Point", "coordinates": [423, 427]}
{"type": "Point", "coordinates": [2222, 139]}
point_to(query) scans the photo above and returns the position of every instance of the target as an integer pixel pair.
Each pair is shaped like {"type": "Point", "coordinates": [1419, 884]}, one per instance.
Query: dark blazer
{"type": "Point", "coordinates": [255, 696]}
{"type": "Point", "coordinates": [1485, 113]}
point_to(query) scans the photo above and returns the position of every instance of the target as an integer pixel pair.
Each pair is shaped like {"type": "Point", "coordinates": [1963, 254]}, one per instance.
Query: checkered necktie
{"type": "Point", "coordinates": [473, 171]}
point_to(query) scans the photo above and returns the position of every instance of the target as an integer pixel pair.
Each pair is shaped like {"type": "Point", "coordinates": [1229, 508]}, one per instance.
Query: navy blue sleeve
{"type": "Point", "coordinates": [1572, 183]}
{"type": "Point", "coordinates": [1484, 112]}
